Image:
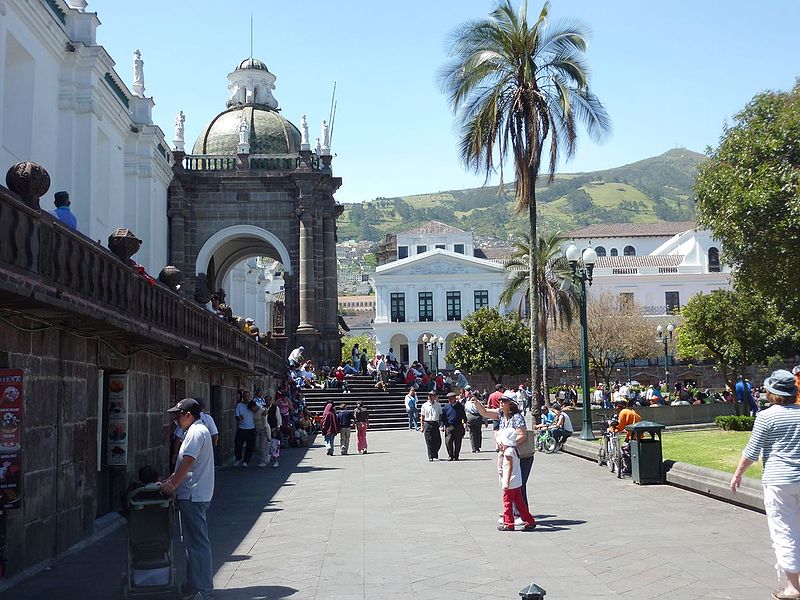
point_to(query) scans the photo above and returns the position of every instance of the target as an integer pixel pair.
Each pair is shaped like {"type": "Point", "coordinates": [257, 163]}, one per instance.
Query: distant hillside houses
{"type": "Point", "coordinates": [432, 276]}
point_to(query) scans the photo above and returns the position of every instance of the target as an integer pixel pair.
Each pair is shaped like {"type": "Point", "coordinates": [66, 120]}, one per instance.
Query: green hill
{"type": "Point", "coordinates": [649, 190]}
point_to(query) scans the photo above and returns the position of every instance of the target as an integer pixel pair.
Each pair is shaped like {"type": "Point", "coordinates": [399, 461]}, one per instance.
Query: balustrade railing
{"type": "Point", "coordinates": [209, 163]}
{"type": "Point", "coordinates": [68, 270]}
{"type": "Point", "coordinates": [261, 162]}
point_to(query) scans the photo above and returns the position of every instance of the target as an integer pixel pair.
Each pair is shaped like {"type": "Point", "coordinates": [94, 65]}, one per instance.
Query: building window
{"type": "Point", "coordinates": [440, 247]}
{"type": "Point", "coordinates": [421, 249]}
{"type": "Point", "coordinates": [426, 306]}
{"type": "Point", "coordinates": [364, 277]}
{"type": "Point", "coordinates": [626, 300]}
{"type": "Point", "coordinates": [453, 306]}
{"type": "Point", "coordinates": [629, 251]}
{"type": "Point", "coordinates": [398, 307]}
{"type": "Point", "coordinates": [600, 251]}
{"type": "Point", "coordinates": [402, 252]}
{"type": "Point", "coordinates": [713, 260]}
{"type": "Point", "coordinates": [613, 252]}
{"type": "Point", "coordinates": [673, 302]}
{"type": "Point", "coordinates": [458, 248]}
{"type": "Point", "coordinates": [481, 298]}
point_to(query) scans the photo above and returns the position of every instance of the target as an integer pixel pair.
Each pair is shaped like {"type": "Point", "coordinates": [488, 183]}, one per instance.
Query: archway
{"type": "Point", "coordinates": [399, 343]}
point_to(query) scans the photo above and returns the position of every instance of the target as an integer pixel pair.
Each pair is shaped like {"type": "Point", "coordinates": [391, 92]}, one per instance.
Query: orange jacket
{"type": "Point", "coordinates": [627, 416]}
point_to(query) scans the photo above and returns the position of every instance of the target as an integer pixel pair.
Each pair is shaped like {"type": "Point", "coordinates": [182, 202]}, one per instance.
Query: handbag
{"type": "Point", "coordinates": [527, 448]}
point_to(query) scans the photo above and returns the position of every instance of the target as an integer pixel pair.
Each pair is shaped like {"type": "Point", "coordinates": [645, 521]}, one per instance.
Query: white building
{"type": "Point", "coordinates": [65, 106]}
{"type": "Point", "coordinates": [435, 282]}
{"type": "Point", "coordinates": [658, 265]}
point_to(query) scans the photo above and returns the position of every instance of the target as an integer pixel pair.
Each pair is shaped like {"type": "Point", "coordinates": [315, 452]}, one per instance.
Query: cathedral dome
{"type": "Point", "coordinates": [269, 132]}
{"type": "Point", "coordinates": [252, 63]}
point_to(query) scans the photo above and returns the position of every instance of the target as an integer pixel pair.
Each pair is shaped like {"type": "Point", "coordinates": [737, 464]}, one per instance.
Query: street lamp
{"type": "Point", "coordinates": [665, 339]}
{"type": "Point", "coordinates": [582, 265]}
{"type": "Point", "coordinates": [429, 343]}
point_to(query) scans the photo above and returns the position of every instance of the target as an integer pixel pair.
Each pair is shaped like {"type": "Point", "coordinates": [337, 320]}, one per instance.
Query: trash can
{"type": "Point", "coordinates": [646, 458]}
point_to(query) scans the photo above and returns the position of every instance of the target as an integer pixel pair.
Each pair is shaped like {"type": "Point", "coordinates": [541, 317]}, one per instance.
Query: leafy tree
{"type": "Point", "coordinates": [363, 341]}
{"type": "Point", "coordinates": [748, 193]}
{"type": "Point", "coordinates": [521, 89]}
{"type": "Point", "coordinates": [735, 328]}
{"type": "Point", "coordinates": [617, 332]}
{"type": "Point", "coordinates": [496, 344]}
{"type": "Point", "coordinates": [370, 260]}
{"type": "Point", "coordinates": [557, 306]}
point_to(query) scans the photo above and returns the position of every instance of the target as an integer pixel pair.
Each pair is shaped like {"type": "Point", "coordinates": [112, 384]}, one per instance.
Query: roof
{"type": "Point", "coordinates": [610, 230]}
{"type": "Point", "coordinates": [252, 63]}
{"type": "Point", "coordinates": [436, 256]}
{"type": "Point", "coordinates": [368, 298]}
{"type": "Point", "coordinates": [501, 253]}
{"type": "Point", "coordinates": [649, 260]}
{"type": "Point", "coordinates": [432, 227]}
{"type": "Point", "coordinates": [269, 133]}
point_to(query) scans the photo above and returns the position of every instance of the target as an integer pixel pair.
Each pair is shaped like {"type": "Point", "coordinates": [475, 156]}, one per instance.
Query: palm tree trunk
{"type": "Point", "coordinates": [534, 303]}
{"type": "Point", "coordinates": [545, 386]}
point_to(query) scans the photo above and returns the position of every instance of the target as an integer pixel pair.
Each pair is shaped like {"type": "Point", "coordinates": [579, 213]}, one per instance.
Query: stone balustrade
{"type": "Point", "coordinates": [49, 270]}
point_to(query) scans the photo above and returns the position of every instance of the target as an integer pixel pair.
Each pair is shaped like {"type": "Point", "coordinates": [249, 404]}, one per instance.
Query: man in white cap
{"type": "Point", "coordinates": [193, 481]}
{"type": "Point", "coordinates": [431, 414]}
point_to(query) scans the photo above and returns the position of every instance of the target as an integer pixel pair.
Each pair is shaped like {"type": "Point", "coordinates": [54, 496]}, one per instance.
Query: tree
{"type": "Point", "coordinates": [496, 344]}
{"type": "Point", "coordinates": [735, 328]}
{"type": "Point", "coordinates": [617, 332]}
{"type": "Point", "coordinates": [363, 341]}
{"type": "Point", "coordinates": [557, 306]}
{"type": "Point", "coordinates": [748, 194]}
{"type": "Point", "coordinates": [518, 90]}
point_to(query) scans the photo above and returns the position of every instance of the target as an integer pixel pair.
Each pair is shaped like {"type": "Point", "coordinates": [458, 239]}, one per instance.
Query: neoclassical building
{"type": "Point", "coordinates": [658, 265]}
{"type": "Point", "coordinates": [253, 187]}
{"type": "Point", "coordinates": [429, 284]}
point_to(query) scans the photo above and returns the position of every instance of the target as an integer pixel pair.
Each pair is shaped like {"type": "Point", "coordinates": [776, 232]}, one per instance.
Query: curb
{"type": "Point", "coordinates": [701, 480]}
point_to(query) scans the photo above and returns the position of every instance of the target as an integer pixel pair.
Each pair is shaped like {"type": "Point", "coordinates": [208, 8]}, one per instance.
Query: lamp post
{"type": "Point", "coordinates": [666, 339]}
{"type": "Point", "coordinates": [435, 339]}
{"type": "Point", "coordinates": [582, 265]}
{"type": "Point", "coordinates": [428, 341]}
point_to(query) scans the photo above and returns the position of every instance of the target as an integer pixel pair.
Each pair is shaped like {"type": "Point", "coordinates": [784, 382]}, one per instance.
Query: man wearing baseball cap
{"type": "Point", "coordinates": [193, 482]}
{"type": "Point", "coordinates": [431, 414]}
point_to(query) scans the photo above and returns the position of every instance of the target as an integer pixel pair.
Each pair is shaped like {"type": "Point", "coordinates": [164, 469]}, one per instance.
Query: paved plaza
{"type": "Point", "coordinates": [391, 525]}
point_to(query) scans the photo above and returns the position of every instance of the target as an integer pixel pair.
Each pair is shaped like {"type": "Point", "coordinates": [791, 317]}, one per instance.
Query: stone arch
{"type": "Point", "coordinates": [399, 342]}
{"type": "Point", "coordinates": [231, 245]}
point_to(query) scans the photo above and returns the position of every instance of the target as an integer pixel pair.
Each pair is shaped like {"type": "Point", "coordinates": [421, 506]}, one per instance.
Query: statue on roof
{"type": "Point", "coordinates": [325, 141]}
{"type": "Point", "coordinates": [138, 74]}
{"type": "Point", "coordinates": [178, 142]}
{"type": "Point", "coordinates": [244, 137]}
{"type": "Point", "coordinates": [303, 133]}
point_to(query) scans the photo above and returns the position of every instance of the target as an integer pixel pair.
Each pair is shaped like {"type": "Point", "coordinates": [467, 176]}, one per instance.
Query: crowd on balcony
{"type": "Point", "coordinates": [216, 305]}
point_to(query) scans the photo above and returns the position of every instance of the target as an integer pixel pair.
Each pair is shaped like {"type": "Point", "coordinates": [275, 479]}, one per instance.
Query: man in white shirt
{"type": "Point", "coordinates": [193, 481]}
{"type": "Point", "coordinates": [179, 433]}
{"type": "Point", "coordinates": [431, 414]}
{"type": "Point", "coordinates": [562, 426]}
{"type": "Point", "coordinates": [381, 369]}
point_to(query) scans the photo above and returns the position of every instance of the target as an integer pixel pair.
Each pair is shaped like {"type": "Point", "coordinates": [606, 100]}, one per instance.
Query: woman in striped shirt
{"type": "Point", "coordinates": [776, 436]}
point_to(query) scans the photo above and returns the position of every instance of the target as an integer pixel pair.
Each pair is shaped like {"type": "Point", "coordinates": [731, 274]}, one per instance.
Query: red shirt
{"type": "Point", "coordinates": [494, 399]}
{"type": "Point", "coordinates": [339, 374]}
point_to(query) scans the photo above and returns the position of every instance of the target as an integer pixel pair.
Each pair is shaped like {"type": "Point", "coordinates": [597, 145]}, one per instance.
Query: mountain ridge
{"type": "Point", "coordinates": [658, 188]}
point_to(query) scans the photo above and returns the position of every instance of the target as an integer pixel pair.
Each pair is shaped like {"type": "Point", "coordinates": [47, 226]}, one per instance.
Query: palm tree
{"type": "Point", "coordinates": [557, 304]}
{"type": "Point", "coordinates": [519, 90]}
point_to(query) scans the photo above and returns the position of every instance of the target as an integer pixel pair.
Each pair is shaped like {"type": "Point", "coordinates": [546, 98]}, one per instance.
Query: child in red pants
{"type": "Point", "coordinates": [511, 482]}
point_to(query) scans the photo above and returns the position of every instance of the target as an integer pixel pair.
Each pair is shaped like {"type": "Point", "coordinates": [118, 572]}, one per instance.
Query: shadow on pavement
{"type": "Point", "coordinates": [241, 496]}
{"type": "Point", "coordinates": [545, 523]}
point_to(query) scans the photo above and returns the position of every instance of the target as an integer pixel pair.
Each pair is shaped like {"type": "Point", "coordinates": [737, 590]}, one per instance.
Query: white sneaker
{"type": "Point", "coordinates": [263, 464]}
{"type": "Point", "coordinates": [518, 522]}
{"type": "Point", "coordinates": [275, 465]}
{"type": "Point", "coordinates": [244, 464]}
{"type": "Point", "coordinates": [237, 463]}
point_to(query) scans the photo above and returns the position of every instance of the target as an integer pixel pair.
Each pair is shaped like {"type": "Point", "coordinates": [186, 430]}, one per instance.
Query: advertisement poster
{"type": "Point", "coordinates": [11, 419]}
{"type": "Point", "coordinates": [118, 420]}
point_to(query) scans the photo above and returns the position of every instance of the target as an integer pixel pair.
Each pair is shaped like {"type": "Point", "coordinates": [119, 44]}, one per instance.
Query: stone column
{"type": "Point", "coordinates": [307, 291]}
{"type": "Point", "coordinates": [329, 282]}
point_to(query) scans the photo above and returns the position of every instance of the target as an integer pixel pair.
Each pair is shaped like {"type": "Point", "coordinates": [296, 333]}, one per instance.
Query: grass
{"type": "Point", "coordinates": [715, 449]}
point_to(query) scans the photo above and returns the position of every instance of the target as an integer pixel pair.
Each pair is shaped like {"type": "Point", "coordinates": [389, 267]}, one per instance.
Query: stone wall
{"type": "Point", "coordinates": [64, 488]}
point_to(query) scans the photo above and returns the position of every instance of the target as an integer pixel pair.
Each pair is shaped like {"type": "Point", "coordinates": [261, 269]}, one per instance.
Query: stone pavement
{"type": "Point", "coordinates": [391, 525]}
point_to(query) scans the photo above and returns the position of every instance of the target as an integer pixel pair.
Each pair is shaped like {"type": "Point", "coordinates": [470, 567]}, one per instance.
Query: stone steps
{"type": "Point", "coordinates": [386, 409]}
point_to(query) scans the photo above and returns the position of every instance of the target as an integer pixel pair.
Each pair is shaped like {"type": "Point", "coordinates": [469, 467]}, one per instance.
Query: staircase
{"type": "Point", "coordinates": [386, 409]}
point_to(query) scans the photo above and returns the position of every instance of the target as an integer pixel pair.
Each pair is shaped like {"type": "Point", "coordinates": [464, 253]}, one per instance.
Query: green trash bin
{"type": "Point", "coordinates": [646, 457]}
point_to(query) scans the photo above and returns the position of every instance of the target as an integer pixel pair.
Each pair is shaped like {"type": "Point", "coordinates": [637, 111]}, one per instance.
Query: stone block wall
{"type": "Point", "coordinates": [64, 488]}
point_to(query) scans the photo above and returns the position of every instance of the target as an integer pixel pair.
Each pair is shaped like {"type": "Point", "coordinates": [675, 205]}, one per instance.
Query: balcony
{"type": "Point", "coordinates": [57, 276]}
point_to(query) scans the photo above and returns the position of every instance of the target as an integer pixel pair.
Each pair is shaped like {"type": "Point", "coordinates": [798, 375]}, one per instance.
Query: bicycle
{"type": "Point", "coordinates": [545, 442]}
{"type": "Point", "coordinates": [610, 451]}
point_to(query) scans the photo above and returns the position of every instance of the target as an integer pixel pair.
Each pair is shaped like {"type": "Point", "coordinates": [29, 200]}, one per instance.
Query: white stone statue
{"type": "Point", "coordinates": [304, 133]}
{"type": "Point", "coordinates": [244, 137]}
{"type": "Point", "coordinates": [79, 5]}
{"type": "Point", "coordinates": [138, 74]}
{"type": "Point", "coordinates": [178, 142]}
{"type": "Point", "coordinates": [325, 141]}
{"type": "Point", "coordinates": [318, 148]}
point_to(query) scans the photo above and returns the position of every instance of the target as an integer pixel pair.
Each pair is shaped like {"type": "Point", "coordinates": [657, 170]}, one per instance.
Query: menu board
{"type": "Point", "coordinates": [117, 420]}
{"type": "Point", "coordinates": [10, 437]}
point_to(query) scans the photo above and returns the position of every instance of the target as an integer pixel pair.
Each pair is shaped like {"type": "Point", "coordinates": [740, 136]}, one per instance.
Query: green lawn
{"type": "Point", "coordinates": [715, 449]}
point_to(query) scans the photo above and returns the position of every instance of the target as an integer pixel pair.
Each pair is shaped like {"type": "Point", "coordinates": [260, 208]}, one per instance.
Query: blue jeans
{"type": "Point", "coordinates": [412, 419]}
{"type": "Point", "coordinates": [198, 547]}
{"type": "Point", "coordinates": [329, 442]}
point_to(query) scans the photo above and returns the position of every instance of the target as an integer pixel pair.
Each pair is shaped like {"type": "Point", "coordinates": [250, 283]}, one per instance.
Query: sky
{"type": "Point", "coordinates": [670, 74]}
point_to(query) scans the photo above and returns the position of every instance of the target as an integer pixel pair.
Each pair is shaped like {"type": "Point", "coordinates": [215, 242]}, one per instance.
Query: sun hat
{"type": "Point", "coordinates": [468, 387]}
{"type": "Point", "coordinates": [781, 383]}
{"type": "Point", "coordinates": [507, 436]}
